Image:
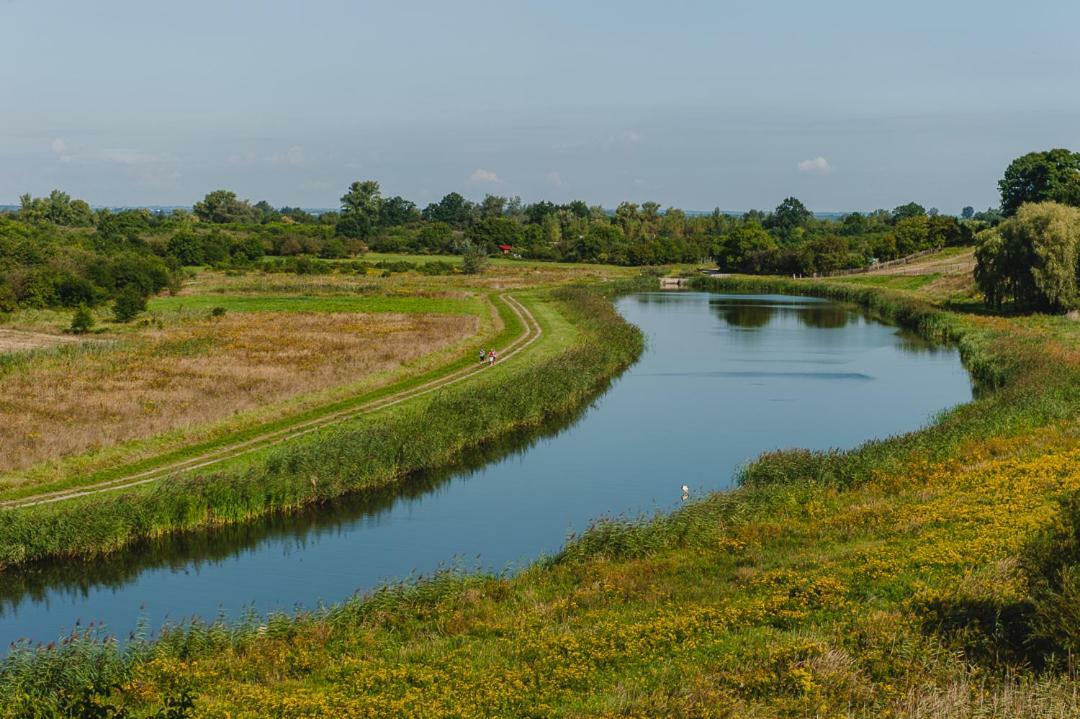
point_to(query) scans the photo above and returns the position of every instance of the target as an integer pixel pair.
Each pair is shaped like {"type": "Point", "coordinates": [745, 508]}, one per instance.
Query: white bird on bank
{"type": "Point", "coordinates": [685, 491]}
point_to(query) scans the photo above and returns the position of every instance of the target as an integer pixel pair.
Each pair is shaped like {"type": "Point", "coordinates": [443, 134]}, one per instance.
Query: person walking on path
{"type": "Point", "coordinates": [491, 358]}
{"type": "Point", "coordinates": [483, 354]}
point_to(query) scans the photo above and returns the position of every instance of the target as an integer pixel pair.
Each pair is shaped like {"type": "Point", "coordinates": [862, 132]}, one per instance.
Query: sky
{"type": "Point", "coordinates": [847, 105]}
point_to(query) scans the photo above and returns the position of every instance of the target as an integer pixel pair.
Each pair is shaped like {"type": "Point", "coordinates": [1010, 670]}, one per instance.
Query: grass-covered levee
{"type": "Point", "coordinates": [583, 345]}
{"type": "Point", "coordinates": [935, 574]}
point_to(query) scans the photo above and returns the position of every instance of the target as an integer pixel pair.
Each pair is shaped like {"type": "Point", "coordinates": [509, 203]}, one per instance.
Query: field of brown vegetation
{"type": "Point", "coordinates": [22, 341]}
{"type": "Point", "coordinates": [185, 375]}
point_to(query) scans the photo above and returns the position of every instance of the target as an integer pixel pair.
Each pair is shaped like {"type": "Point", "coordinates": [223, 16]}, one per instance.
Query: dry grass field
{"type": "Point", "coordinates": [22, 341]}
{"type": "Point", "coordinates": [195, 373]}
{"type": "Point", "coordinates": [286, 343]}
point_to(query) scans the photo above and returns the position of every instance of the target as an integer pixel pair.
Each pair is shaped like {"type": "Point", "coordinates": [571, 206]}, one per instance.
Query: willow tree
{"type": "Point", "coordinates": [1033, 259]}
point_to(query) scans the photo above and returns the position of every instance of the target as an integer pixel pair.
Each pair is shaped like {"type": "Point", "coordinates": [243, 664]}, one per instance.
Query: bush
{"type": "Point", "coordinates": [82, 322]}
{"type": "Point", "coordinates": [129, 303]}
{"type": "Point", "coordinates": [473, 259]}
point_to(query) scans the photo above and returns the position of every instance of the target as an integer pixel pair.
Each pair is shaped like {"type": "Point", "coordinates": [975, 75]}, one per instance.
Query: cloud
{"type": "Point", "coordinates": [293, 157]}
{"type": "Point", "coordinates": [60, 149]}
{"type": "Point", "coordinates": [554, 178]}
{"type": "Point", "coordinates": [630, 137]}
{"type": "Point", "coordinates": [108, 155]}
{"type": "Point", "coordinates": [818, 166]}
{"type": "Point", "coordinates": [126, 156]}
{"type": "Point", "coordinates": [482, 175]}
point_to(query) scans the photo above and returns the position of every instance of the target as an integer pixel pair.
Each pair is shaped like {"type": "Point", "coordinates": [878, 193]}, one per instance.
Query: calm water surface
{"type": "Point", "coordinates": [724, 378]}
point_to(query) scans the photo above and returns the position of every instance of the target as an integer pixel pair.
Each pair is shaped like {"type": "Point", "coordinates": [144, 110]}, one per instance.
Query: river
{"type": "Point", "coordinates": [724, 378]}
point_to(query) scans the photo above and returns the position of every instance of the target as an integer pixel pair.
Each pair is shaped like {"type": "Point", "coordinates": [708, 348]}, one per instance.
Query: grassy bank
{"type": "Point", "coordinates": [584, 344]}
{"type": "Point", "coordinates": [908, 578]}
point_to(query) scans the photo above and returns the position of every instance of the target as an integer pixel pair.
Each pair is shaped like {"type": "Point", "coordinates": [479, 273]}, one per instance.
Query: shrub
{"type": "Point", "coordinates": [128, 304]}
{"type": "Point", "coordinates": [473, 259]}
{"type": "Point", "coordinates": [82, 322]}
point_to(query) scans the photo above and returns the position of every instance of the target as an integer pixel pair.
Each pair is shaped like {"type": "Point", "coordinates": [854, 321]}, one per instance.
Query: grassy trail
{"type": "Point", "coordinates": [228, 448]}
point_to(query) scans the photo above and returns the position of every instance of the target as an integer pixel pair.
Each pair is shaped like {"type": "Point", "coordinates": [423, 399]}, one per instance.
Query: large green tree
{"type": "Point", "coordinates": [360, 210]}
{"type": "Point", "coordinates": [222, 206]}
{"type": "Point", "coordinates": [789, 216]}
{"type": "Point", "coordinates": [453, 209]}
{"type": "Point", "coordinates": [741, 250]}
{"type": "Point", "coordinates": [1051, 176]}
{"type": "Point", "coordinates": [1032, 258]}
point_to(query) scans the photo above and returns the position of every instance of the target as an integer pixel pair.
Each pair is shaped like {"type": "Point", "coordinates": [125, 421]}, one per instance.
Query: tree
{"type": "Point", "coordinates": [453, 209]}
{"type": "Point", "coordinates": [359, 210]}
{"type": "Point", "coordinates": [435, 237]}
{"type": "Point", "coordinates": [491, 232]}
{"type": "Point", "coordinates": [1032, 258]}
{"type": "Point", "coordinates": [912, 234]}
{"type": "Point", "coordinates": [740, 250]}
{"type": "Point", "coordinates": [221, 206]}
{"type": "Point", "coordinates": [968, 212]}
{"type": "Point", "coordinates": [911, 209]}
{"type": "Point", "coordinates": [396, 211]}
{"type": "Point", "coordinates": [788, 216]}
{"type": "Point", "coordinates": [128, 304]}
{"type": "Point", "coordinates": [58, 208]}
{"type": "Point", "coordinates": [492, 206]}
{"type": "Point", "coordinates": [82, 321]}
{"type": "Point", "coordinates": [854, 224]}
{"type": "Point", "coordinates": [264, 212]}
{"type": "Point", "coordinates": [1052, 176]}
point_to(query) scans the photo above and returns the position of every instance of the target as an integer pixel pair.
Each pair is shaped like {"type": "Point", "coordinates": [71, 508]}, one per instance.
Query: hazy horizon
{"type": "Point", "coordinates": [848, 107]}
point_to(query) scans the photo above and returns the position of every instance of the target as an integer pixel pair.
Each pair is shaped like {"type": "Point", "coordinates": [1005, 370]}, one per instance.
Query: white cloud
{"type": "Point", "coordinates": [818, 166]}
{"type": "Point", "coordinates": [631, 137]}
{"type": "Point", "coordinates": [482, 175]}
{"type": "Point", "coordinates": [554, 178]}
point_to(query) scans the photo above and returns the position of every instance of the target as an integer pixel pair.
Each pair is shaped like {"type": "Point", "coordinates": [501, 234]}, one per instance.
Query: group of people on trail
{"type": "Point", "coordinates": [489, 356]}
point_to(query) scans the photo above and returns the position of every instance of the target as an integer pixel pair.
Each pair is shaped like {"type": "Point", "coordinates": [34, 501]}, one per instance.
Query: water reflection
{"type": "Point", "coordinates": [190, 551]}
{"type": "Point", "coordinates": [755, 313]}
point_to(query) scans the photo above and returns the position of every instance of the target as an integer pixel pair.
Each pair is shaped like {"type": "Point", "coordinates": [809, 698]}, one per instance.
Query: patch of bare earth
{"type": "Point", "coordinates": [182, 377]}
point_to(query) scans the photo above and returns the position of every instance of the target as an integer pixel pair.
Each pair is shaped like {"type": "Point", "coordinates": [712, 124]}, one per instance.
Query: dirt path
{"type": "Point", "coordinates": [532, 333]}
{"type": "Point", "coordinates": [962, 263]}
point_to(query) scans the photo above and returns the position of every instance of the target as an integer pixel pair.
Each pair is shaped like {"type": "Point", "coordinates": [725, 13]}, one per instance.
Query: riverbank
{"type": "Point", "coordinates": [574, 342]}
{"type": "Point", "coordinates": [891, 580]}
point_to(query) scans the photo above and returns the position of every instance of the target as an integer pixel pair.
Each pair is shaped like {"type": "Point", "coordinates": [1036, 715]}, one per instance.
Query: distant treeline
{"type": "Point", "coordinates": [58, 251]}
